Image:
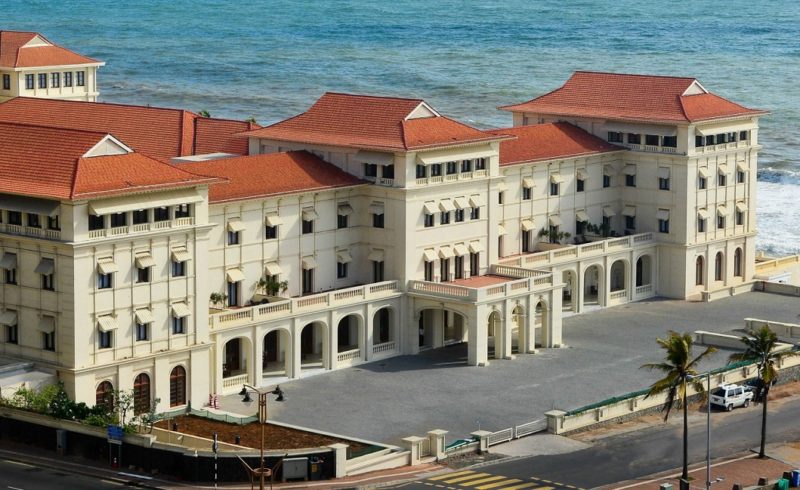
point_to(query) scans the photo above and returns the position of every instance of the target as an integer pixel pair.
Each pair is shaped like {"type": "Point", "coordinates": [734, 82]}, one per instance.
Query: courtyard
{"type": "Point", "coordinates": [409, 395]}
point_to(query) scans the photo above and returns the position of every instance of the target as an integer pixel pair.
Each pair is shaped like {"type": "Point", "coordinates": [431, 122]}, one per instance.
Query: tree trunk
{"type": "Point", "coordinates": [685, 474]}
{"type": "Point", "coordinates": [763, 423]}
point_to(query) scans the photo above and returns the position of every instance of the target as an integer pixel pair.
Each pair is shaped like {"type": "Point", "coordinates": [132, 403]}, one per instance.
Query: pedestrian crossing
{"type": "Point", "coordinates": [477, 480]}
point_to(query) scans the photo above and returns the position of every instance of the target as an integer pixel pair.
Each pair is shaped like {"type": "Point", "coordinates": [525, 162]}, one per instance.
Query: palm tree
{"type": "Point", "coordinates": [679, 369]}
{"type": "Point", "coordinates": [760, 348]}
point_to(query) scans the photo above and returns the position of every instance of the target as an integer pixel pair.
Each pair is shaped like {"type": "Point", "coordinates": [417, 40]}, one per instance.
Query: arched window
{"type": "Point", "coordinates": [104, 395]}
{"type": "Point", "coordinates": [698, 270]}
{"type": "Point", "coordinates": [141, 394]}
{"type": "Point", "coordinates": [718, 263]}
{"type": "Point", "coordinates": [737, 263]}
{"type": "Point", "coordinates": [177, 387]}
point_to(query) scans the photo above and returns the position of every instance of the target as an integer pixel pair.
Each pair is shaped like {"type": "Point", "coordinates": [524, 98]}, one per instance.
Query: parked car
{"type": "Point", "coordinates": [729, 396]}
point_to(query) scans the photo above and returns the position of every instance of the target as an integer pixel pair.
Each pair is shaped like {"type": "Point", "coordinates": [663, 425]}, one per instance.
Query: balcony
{"type": "Point", "coordinates": [30, 231]}
{"type": "Point", "coordinates": [439, 179]}
{"type": "Point", "coordinates": [722, 147]}
{"type": "Point", "coordinates": [575, 252]}
{"type": "Point", "coordinates": [302, 305]}
{"type": "Point", "coordinates": [650, 148]}
{"type": "Point", "coordinates": [142, 228]}
{"type": "Point", "coordinates": [503, 282]}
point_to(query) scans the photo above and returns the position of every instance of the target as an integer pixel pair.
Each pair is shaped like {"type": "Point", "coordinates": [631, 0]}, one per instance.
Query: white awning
{"type": "Point", "coordinates": [430, 207]}
{"type": "Point", "coordinates": [45, 267]}
{"type": "Point", "coordinates": [741, 207]}
{"type": "Point", "coordinates": [581, 216]}
{"type": "Point", "coordinates": [461, 202]}
{"type": "Point", "coordinates": [235, 225]}
{"type": "Point", "coordinates": [309, 214]}
{"type": "Point", "coordinates": [476, 201]}
{"type": "Point", "coordinates": [609, 171]}
{"type": "Point", "coordinates": [234, 275]}
{"type": "Point", "coordinates": [725, 128]}
{"type": "Point", "coordinates": [554, 220]}
{"type": "Point", "coordinates": [24, 204]}
{"type": "Point", "coordinates": [376, 255]}
{"type": "Point", "coordinates": [527, 225]}
{"type": "Point", "coordinates": [273, 269]}
{"type": "Point", "coordinates": [460, 249]}
{"type": "Point", "coordinates": [663, 172]}
{"type": "Point", "coordinates": [703, 172]}
{"type": "Point", "coordinates": [556, 178]}
{"type": "Point", "coordinates": [449, 155]}
{"type": "Point", "coordinates": [629, 211]}
{"type": "Point", "coordinates": [376, 208]}
{"type": "Point", "coordinates": [345, 210]}
{"type": "Point", "coordinates": [703, 214]}
{"type": "Point", "coordinates": [662, 214]}
{"type": "Point", "coordinates": [107, 323]}
{"type": "Point", "coordinates": [180, 310]}
{"type": "Point", "coordinates": [8, 318]}
{"type": "Point", "coordinates": [47, 324]}
{"type": "Point", "coordinates": [143, 316]}
{"type": "Point", "coordinates": [106, 265]}
{"type": "Point", "coordinates": [742, 167]}
{"type": "Point", "coordinates": [429, 254]}
{"type": "Point", "coordinates": [475, 247]}
{"type": "Point", "coordinates": [722, 211]}
{"type": "Point", "coordinates": [608, 212]}
{"type": "Point", "coordinates": [309, 262]}
{"type": "Point", "coordinates": [180, 254]}
{"type": "Point", "coordinates": [527, 182]}
{"type": "Point", "coordinates": [629, 169]}
{"type": "Point", "coordinates": [135, 202]}
{"type": "Point", "coordinates": [502, 186]}
{"type": "Point", "coordinates": [272, 219]}
{"type": "Point", "coordinates": [343, 256]}
{"type": "Point", "coordinates": [582, 174]}
{"type": "Point", "coordinates": [501, 230]}
{"type": "Point", "coordinates": [623, 127]}
{"type": "Point", "coordinates": [9, 261]}
{"type": "Point", "coordinates": [446, 252]}
{"type": "Point", "coordinates": [446, 205]}
{"type": "Point", "coordinates": [722, 169]}
{"type": "Point", "coordinates": [365, 156]}
{"type": "Point", "coordinates": [144, 260]}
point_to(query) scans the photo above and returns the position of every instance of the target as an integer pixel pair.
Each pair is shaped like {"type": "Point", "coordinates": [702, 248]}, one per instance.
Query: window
{"type": "Point", "coordinates": [178, 268]}
{"type": "Point", "coordinates": [722, 180]}
{"type": "Point", "coordinates": [554, 188]}
{"type": "Point", "coordinates": [33, 220]}
{"type": "Point", "coordinates": [444, 270]}
{"type": "Point", "coordinates": [580, 185]}
{"type": "Point", "coordinates": [459, 213]}
{"type": "Point", "coordinates": [42, 80]}
{"type": "Point", "coordinates": [308, 281]}
{"type": "Point", "coordinates": [49, 341]}
{"type": "Point", "coordinates": [68, 79]}
{"type": "Point", "coordinates": [731, 137]}
{"type": "Point", "coordinates": [739, 217]}
{"type": "Point", "coordinates": [669, 141]}
{"type": "Point", "coordinates": [233, 293]}
{"type": "Point", "coordinates": [142, 274]}
{"type": "Point", "coordinates": [183, 211]}
{"type": "Point", "coordinates": [29, 82]}
{"type": "Point", "coordinates": [634, 139]}
{"type": "Point", "coordinates": [370, 170]}
{"type": "Point", "coordinates": [614, 137]}
{"type": "Point", "coordinates": [118, 219]}
{"type": "Point", "coordinates": [699, 267]}
{"type": "Point", "coordinates": [377, 220]}
{"type": "Point", "coordinates": [710, 140]}
{"type": "Point", "coordinates": [233, 237]}
{"type": "Point", "coordinates": [387, 171]}
{"type": "Point", "coordinates": [701, 225]}
{"type": "Point", "coordinates": [178, 324]}
{"type": "Point", "coordinates": [527, 242]}
{"type": "Point", "coordinates": [606, 181]}
{"type": "Point", "coordinates": [630, 222]}
{"type": "Point", "coordinates": [161, 214]}
{"type": "Point", "coordinates": [580, 227]}
{"type": "Point", "coordinates": [52, 223]}
{"type": "Point", "coordinates": [341, 270]}
{"type": "Point", "coordinates": [466, 166]}
{"type": "Point", "coordinates": [651, 139]}
{"type": "Point", "coordinates": [271, 232]}
{"type": "Point", "coordinates": [436, 170]}
{"type": "Point", "coordinates": [459, 263]}
{"type": "Point", "coordinates": [526, 193]}
{"type": "Point", "coordinates": [663, 225]}
{"type": "Point", "coordinates": [105, 281]}
{"type": "Point", "coordinates": [475, 213]}
{"type": "Point", "coordinates": [501, 197]}
{"type": "Point", "coordinates": [607, 222]}
{"type": "Point", "coordinates": [421, 171]}
{"type": "Point", "coordinates": [702, 183]}
{"type": "Point", "coordinates": [737, 263]}
{"type": "Point", "coordinates": [445, 218]}
{"type": "Point", "coordinates": [428, 271]}
{"type": "Point", "coordinates": [740, 177]}
{"type": "Point", "coordinates": [104, 340]}
{"type": "Point", "coordinates": [480, 164]}
{"type": "Point", "coordinates": [15, 218]}
{"type": "Point", "coordinates": [377, 270]}
{"type": "Point", "coordinates": [720, 222]}
{"type": "Point", "coordinates": [452, 167]}
{"type": "Point", "coordinates": [6, 81]}
{"type": "Point", "coordinates": [630, 180]}
{"type": "Point", "coordinates": [140, 216]}
{"type": "Point", "coordinates": [48, 282]}
{"type": "Point", "coordinates": [308, 226]}
{"type": "Point", "coordinates": [663, 183]}
{"type": "Point", "coordinates": [55, 80]}
{"type": "Point", "coordinates": [722, 138]}
{"type": "Point", "coordinates": [12, 333]}
{"type": "Point", "coordinates": [142, 332]}
{"type": "Point", "coordinates": [104, 395]}
{"type": "Point", "coordinates": [718, 266]}
{"type": "Point", "coordinates": [141, 394]}
{"type": "Point", "coordinates": [474, 263]}
{"type": "Point", "coordinates": [428, 220]}
{"type": "Point", "coordinates": [9, 263]}
{"type": "Point", "coordinates": [177, 387]}
{"type": "Point", "coordinates": [744, 135]}
{"type": "Point", "coordinates": [80, 78]}
{"type": "Point", "coordinates": [699, 141]}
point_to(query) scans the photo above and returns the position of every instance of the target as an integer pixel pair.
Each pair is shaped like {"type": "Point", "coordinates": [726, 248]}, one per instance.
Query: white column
{"type": "Point", "coordinates": [258, 357]}
{"type": "Point", "coordinates": [478, 338]}
{"type": "Point", "coordinates": [296, 348]}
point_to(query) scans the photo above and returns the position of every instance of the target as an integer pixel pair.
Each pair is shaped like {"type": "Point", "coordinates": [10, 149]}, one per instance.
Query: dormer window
{"type": "Point", "coordinates": [370, 170]}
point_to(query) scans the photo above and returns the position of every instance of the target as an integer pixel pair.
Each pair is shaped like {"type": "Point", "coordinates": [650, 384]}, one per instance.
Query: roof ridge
{"type": "Point", "coordinates": [104, 103]}
{"type": "Point", "coordinates": [57, 128]}
{"type": "Point", "coordinates": [598, 72]}
{"type": "Point", "coordinates": [371, 96]}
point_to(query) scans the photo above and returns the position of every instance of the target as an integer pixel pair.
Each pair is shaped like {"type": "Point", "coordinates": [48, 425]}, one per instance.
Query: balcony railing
{"type": "Point", "coordinates": [384, 347]}
{"type": "Point", "coordinates": [537, 282]}
{"type": "Point", "coordinates": [573, 252]}
{"type": "Point", "coordinates": [30, 231]}
{"type": "Point", "coordinates": [303, 304]}
{"type": "Point", "coordinates": [350, 355]}
{"type": "Point", "coordinates": [141, 227]}
{"type": "Point", "coordinates": [452, 177]}
{"type": "Point", "coordinates": [722, 146]}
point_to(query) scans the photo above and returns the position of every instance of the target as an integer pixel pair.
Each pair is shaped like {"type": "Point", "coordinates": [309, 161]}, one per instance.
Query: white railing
{"type": "Point", "coordinates": [647, 288]}
{"type": "Point", "coordinates": [529, 428]}
{"type": "Point", "coordinates": [384, 181]}
{"type": "Point", "coordinates": [291, 306]}
{"type": "Point", "coordinates": [621, 294]}
{"type": "Point", "coordinates": [441, 289]}
{"type": "Point", "coordinates": [501, 436]}
{"type": "Point", "coordinates": [452, 177]}
{"type": "Point", "coordinates": [234, 380]}
{"type": "Point", "coordinates": [534, 281]}
{"type": "Point", "coordinates": [586, 250]}
{"type": "Point", "coordinates": [349, 355]}
{"type": "Point", "coordinates": [424, 448]}
{"type": "Point", "coordinates": [141, 227]}
{"type": "Point", "coordinates": [384, 347]}
{"type": "Point", "coordinates": [30, 231]}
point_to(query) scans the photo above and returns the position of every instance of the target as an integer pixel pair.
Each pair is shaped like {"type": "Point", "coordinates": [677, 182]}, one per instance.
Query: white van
{"type": "Point", "coordinates": [730, 396]}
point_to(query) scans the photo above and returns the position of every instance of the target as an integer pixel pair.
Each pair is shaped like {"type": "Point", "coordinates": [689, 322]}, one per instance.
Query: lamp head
{"type": "Point", "coordinates": [243, 392]}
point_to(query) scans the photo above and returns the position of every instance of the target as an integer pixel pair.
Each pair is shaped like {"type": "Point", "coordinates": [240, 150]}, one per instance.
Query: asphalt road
{"type": "Point", "coordinates": [631, 455]}
{"type": "Point", "coordinates": [21, 476]}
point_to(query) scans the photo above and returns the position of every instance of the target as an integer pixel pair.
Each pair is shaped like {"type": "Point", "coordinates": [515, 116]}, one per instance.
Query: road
{"type": "Point", "coordinates": [631, 455]}
{"type": "Point", "coordinates": [22, 476]}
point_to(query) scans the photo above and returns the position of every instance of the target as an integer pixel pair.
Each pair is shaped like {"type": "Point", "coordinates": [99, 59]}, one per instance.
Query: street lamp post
{"type": "Point", "coordinates": [261, 471]}
{"type": "Point", "coordinates": [708, 426]}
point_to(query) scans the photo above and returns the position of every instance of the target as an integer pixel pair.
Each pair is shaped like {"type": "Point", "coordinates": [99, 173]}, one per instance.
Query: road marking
{"type": "Point", "coordinates": [482, 480]}
{"type": "Point", "coordinates": [464, 478]}
{"type": "Point", "coordinates": [448, 475]}
{"type": "Point", "coordinates": [11, 461]}
{"type": "Point", "coordinates": [495, 485]}
{"type": "Point", "coordinates": [112, 482]}
{"type": "Point", "coordinates": [527, 485]}
{"type": "Point", "coordinates": [14, 488]}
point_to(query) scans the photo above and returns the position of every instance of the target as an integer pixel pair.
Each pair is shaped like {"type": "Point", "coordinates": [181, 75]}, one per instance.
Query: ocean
{"type": "Point", "coordinates": [272, 59]}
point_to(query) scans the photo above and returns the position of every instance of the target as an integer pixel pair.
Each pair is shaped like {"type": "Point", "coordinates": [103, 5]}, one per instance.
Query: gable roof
{"type": "Point", "coordinates": [155, 131]}
{"type": "Point", "coordinates": [20, 49]}
{"type": "Point", "coordinates": [549, 141]}
{"type": "Point", "coordinates": [633, 97]}
{"type": "Point", "coordinates": [370, 122]}
{"type": "Point", "coordinates": [53, 163]}
{"type": "Point", "coordinates": [270, 174]}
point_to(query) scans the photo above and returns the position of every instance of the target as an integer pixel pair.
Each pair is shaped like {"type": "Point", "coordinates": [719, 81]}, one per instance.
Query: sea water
{"type": "Point", "coordinates": [272, 59]}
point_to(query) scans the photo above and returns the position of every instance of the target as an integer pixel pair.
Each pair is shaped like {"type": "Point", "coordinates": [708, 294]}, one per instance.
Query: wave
{"type": "Point", "coordinates": [779, 176]}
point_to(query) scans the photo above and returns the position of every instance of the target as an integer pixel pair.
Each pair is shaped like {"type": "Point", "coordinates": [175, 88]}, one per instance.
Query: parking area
{"type": "Point", "coordinates": [410, 395]}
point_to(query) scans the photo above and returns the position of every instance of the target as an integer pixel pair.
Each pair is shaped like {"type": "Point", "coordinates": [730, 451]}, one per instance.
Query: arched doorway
{"type": "Point", "coordinates": [494, 330]}
{"type": "Point", "coordinates": [177, 386]}
{"type": "Point", "coordinates": [455, 328]}
{"type": "Point", "coordinates": [235, 362]}
{"type": "Point", "coordinates": [644, 271]}
{"type": "Point", "coordinates": [591, 285]}
{"type": "Point", "coordinates": [699, 271]}
{"type": "Point", "coordinates": [349, 338]}
{"type": "Point", "coordinates": [104, 395]}
{"type": "Point", "coordinates": [617, 276]}
{"type": "Point", "coordinates": [540, 322]}
{"type": "Point", "coordinates": [719, 267]}
{"type": "Point", "coordinates": [276, 358]}
{"type": "Point", "coordinates": [568, 295]}
{"type": "Point", "coordinates": [517, 329]}
{"type": "Point", "coordinates": [313, 346]}
{"type": "Point", "coordinates": [383, 329]}
{"type": "Point", "coordinates": [737, 263]}
{"type": "Point", "coordinates": [141, 394]}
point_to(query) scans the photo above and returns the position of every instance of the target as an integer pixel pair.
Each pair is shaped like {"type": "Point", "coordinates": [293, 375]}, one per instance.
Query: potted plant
{"type": "Point", "coordinates": [218, 300]}
{"type": "Point", "coordinates": [267, 287]}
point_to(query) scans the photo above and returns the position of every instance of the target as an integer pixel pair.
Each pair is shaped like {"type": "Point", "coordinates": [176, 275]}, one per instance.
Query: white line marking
{"type": "Point", "coordinates": [14, 488]}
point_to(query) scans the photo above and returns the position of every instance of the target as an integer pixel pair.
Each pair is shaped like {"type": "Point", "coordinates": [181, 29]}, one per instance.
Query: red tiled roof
{"type": "Point", "coordinates": [13, 54]}
{"type": "Point", "coordinates": [270, 174]}
{"type": "Point", "coordinates": [362, 121]}
{"type": "Point", "coordinates": [631, 97]}
{"type": "Point", "coordinates": [157, 132]}
{"type": "Point", "coordinates": [48, 162]}
{"type": "Point", "coordinates": [549, 141]}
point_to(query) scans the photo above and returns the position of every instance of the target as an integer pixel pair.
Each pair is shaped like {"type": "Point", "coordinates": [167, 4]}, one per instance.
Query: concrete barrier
{"type": "Point", "coordinates": [784, 330]}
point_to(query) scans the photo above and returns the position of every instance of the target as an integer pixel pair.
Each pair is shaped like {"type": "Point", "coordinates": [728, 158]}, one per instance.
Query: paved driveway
{"type": "Point", "coordinates": [409, 395]}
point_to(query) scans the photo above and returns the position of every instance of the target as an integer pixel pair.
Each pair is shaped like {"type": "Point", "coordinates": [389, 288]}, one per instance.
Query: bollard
{"type": "Point", "coordinates": [174, 427]}
{"type": "Point", "coordinates": [238, 440]}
